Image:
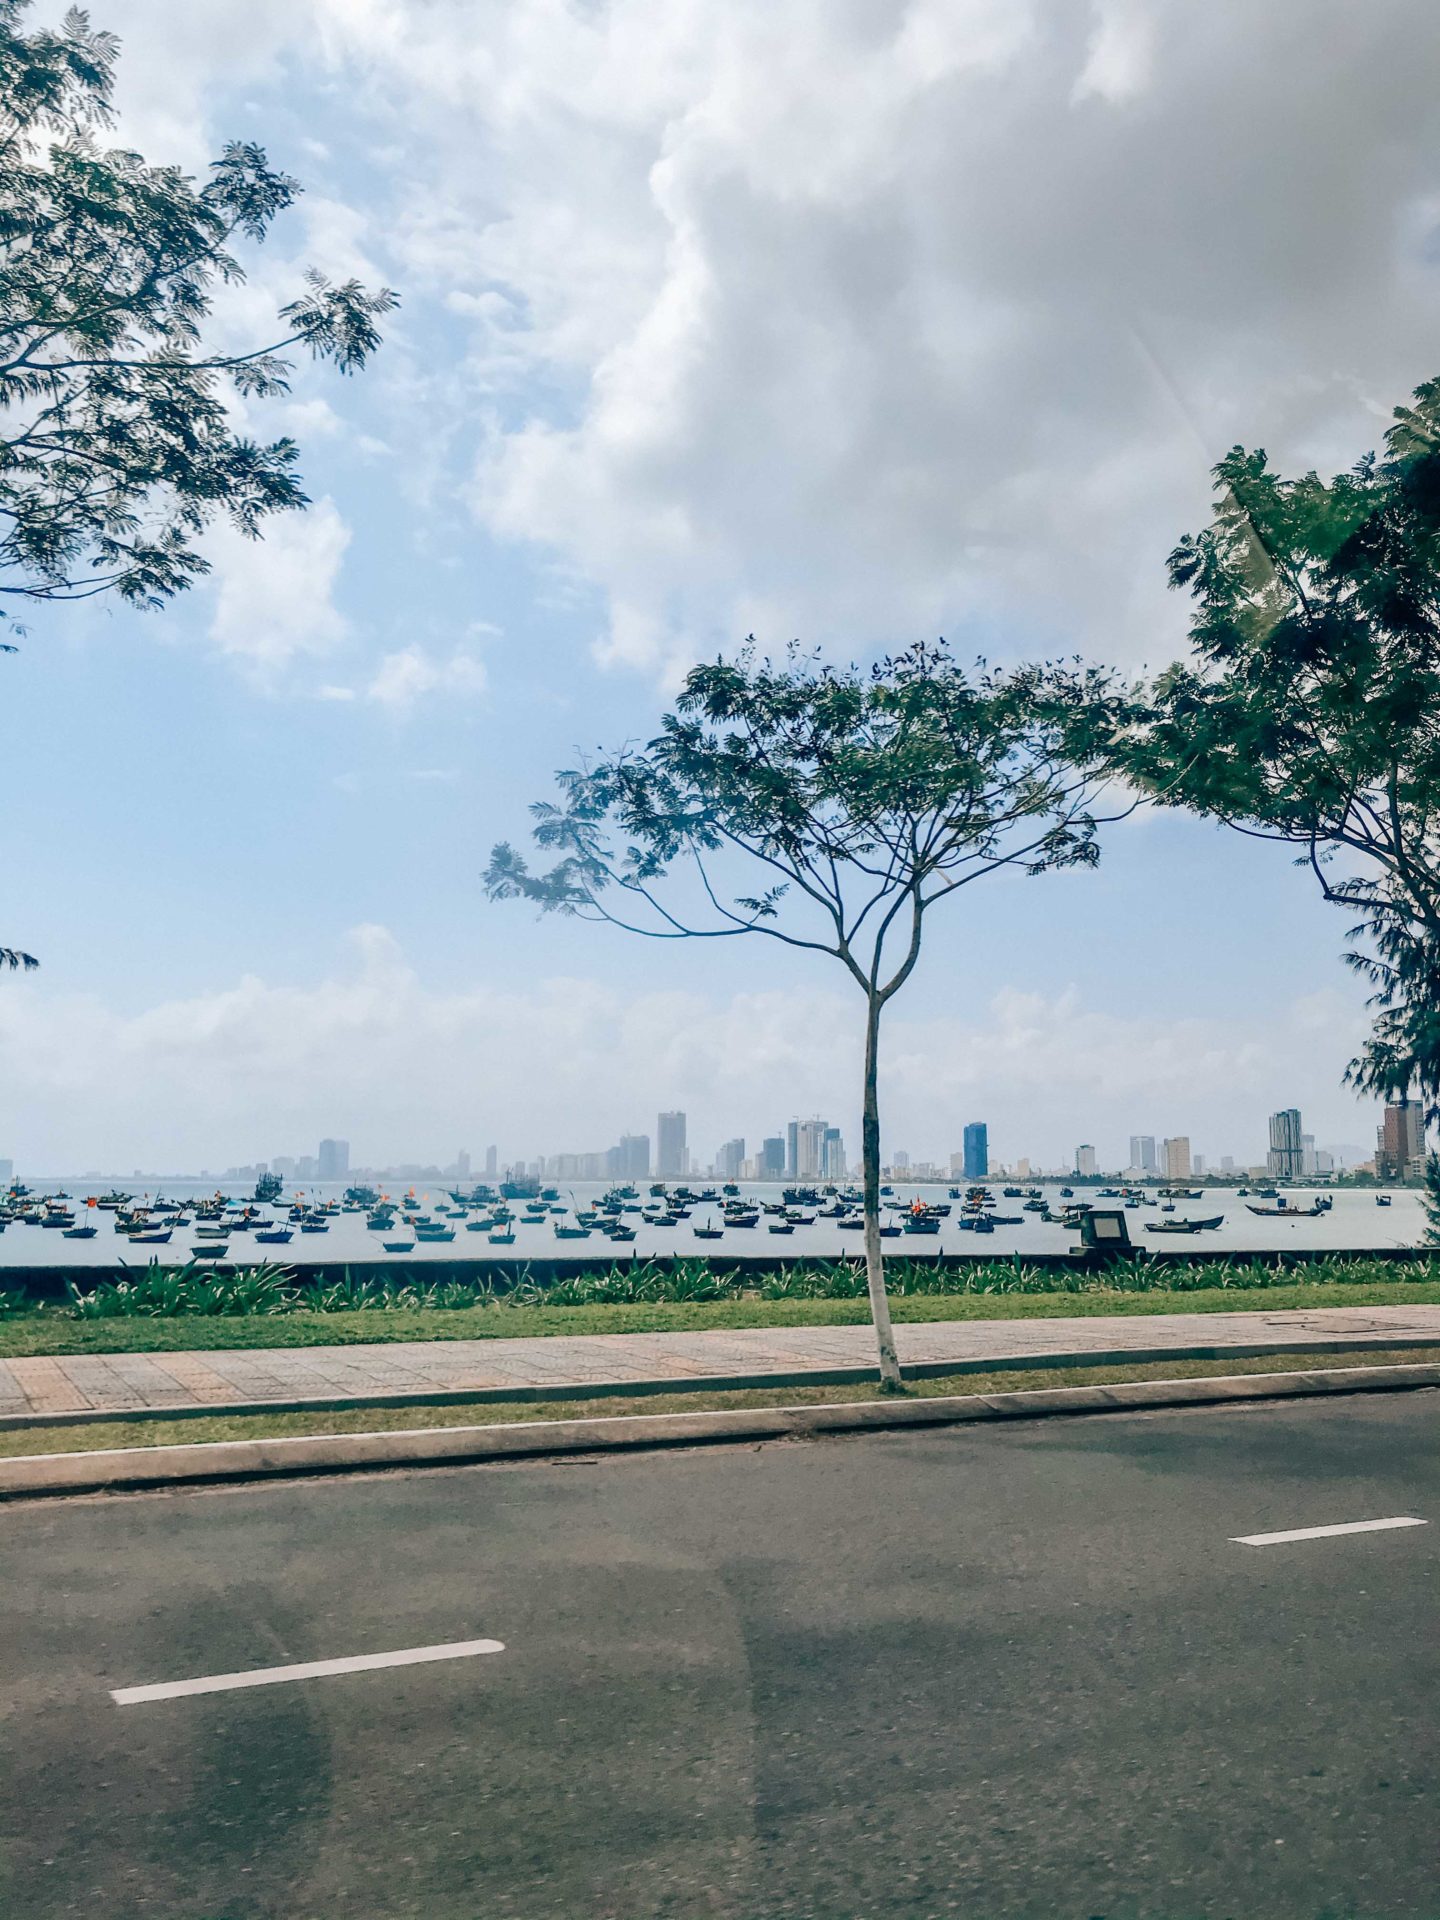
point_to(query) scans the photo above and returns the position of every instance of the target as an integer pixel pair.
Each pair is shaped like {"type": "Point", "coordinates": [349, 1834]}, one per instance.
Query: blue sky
{"type": "Point", "coordinates": [859, 322]}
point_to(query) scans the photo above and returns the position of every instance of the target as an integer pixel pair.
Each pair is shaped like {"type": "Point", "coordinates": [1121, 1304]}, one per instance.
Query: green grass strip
{"type": "Point", "coordinates": [55, 1331]}
{"type": "Point", "coordinates": [103, 1434]}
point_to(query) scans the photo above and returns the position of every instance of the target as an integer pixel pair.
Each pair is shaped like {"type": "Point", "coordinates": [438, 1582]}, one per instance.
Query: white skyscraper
{"type": "Point", "coordinates": [810, 1150]}
{"type": "Point", "coordinates": [1142, 1152]}
{"type": "Point", "coordinates": [670, 1150]}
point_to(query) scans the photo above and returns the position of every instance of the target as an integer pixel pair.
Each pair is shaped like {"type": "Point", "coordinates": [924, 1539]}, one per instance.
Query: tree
{"type": "Point", "coordinates": [861, 799]}
{"type": "Point", "coordinates": [1312, 716]}
{"type": "Point", "coordinates": [116, 444]}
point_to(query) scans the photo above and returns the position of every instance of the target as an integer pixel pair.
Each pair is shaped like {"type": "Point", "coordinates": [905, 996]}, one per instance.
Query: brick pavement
{"type": "Point", "coordinates": [131, 1383]}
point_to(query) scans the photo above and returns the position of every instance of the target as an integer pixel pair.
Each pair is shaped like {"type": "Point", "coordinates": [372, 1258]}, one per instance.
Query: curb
{"type": "Point", "coordinates": [710, 1383]}
{"type": "Point", "coordinates": [37, 1475]}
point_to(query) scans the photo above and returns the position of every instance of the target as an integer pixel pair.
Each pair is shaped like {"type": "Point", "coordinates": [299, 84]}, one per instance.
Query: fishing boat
{"type": "Point", "coordinates": [275, 1237]}
{"type": "Point", "coordinates": [150, 1239]}
{"type": "Point", "coordinates": [782, 1226]}
{"type": "Point", "coordinates": [1184, 1226]}
{"type": "Point", "coordinates": [434, 1233]}
{"type": "Point", "coordinates": [571, 1233]}
{"type": "Point", "coordinates": [1382, 1199]}
{"type": "Point", "coordinates": [505, 1239]}
{"type": "Point", "coordinates": [398, 1246]}
{"type": "Point", "coordinates": [1282, 1212]}
{"type": "Point", "coordinates": [81, 1233]}
{"type": "Point", "coordinates": [709, 1233]}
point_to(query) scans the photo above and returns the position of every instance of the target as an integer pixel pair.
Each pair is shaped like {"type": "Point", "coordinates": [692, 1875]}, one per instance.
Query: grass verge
{"type": "Point", "coordinates": [52, 1331]}
{"type": "Point", "coordinates": [103, 1434]}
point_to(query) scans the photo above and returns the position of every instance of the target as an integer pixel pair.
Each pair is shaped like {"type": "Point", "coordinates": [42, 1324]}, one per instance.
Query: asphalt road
{"type": "Point", "coordinates": [1008, 1671]}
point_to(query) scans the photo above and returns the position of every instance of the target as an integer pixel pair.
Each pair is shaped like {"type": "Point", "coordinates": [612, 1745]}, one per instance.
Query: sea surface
{"type": "Point", "coordinates": [1354, 1223]}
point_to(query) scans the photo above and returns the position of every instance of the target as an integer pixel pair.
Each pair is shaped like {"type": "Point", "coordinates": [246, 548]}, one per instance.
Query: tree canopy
{"type": "Point", "coordinates": [852, 800]}
{"type": "Point", "coordinates": [117, 446]}
{"type": "Point", "coordinates": [1312, 713]}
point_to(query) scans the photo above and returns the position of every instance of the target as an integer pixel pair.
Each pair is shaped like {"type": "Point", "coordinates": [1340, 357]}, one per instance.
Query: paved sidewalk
{"type": "Point", "coordinates": [84, 1384]}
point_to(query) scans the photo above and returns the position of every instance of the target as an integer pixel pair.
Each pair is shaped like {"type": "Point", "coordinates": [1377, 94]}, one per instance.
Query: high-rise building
{"type": "Point", "coordinates": [772, 1158]}
{"type": "Point", "coordinates": [1177, 1157]}
{"type": "Point", "coordinates": [1286, 1158]}
{"type": "Point", "coordinates": [307, 1167]}
{"type": "Point", "coordinates": [1086, 1165]}
{"type": "Point", "coordinates": [810, 1150]}
{"type": "Point", "coordinates": [492, 1162]}
{"type": "Point", "coordinates": [333, 1160]}
{"type": "Point", "coordinates": [730, 1159]}
{"type": "Point", "coordinates": [1142, 1152]}
{"type": "Point", "coordinates": [977, 1151]}
{"type": "Point", "coordinates": [832, 1155]}
{"type": "Point", "coordinates": [1227, 1163]}
{"type": "Point", "coordinates": [670, 1150]}
{"type": "Point", "coordinates": [900, 1160]}
{"type": "Point", "coordinates": [1400, 1142]}
{"type": "Point", "coordinates": [792, 1150]}
{"type": "Point", "coordinates": [1197, 1164]}
{"type": "Point", "coordinates": [7, 1172]}
{"type": "Point", "coordinates": [630, 1160]}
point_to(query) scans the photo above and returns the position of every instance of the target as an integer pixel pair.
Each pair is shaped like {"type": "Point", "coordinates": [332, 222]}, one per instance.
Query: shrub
{"type": "Point", "coordinates": [193, 1288]}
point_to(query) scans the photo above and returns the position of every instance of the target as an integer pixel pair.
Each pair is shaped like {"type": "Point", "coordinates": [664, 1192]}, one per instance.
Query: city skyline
{"type": "Point", "coordinates": [813, 1150]}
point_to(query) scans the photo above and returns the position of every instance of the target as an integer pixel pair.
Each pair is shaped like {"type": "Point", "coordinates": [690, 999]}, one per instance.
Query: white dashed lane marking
{"type": "Point", "coordinates": [310, 1670]}
{"type": "Point", "coordinates": [1323, 1533]}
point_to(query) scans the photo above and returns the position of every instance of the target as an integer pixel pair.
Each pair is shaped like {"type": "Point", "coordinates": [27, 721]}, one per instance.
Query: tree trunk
{"type": "Point", "coordinates": [890, 1375]}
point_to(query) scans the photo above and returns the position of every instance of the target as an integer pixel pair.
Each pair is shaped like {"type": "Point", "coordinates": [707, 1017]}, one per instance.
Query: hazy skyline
{"type": "Point", "coordinates": [714, 320]}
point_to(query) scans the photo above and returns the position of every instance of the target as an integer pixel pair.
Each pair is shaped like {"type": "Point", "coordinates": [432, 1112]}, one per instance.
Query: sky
{"type": "Point", "coordinates": [859, 322]}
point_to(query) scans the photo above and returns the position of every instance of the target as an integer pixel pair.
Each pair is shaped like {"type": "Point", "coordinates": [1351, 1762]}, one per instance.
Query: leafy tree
{"type": "Point", "coordinates": [1432, 1199]}
{"type": "Point", "coordinates": [859, 800]}
{"type": "Point", "coordinates": [1312, 716]}
{"type": "Point", "coordinates": [116, 444]}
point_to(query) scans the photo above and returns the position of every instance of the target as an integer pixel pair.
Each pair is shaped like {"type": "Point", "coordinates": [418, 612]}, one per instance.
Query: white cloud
{"type": "Point", "coordinates": [273, 601]}
{"type": "Point", "coordinates": [856, 321]}
{"type": "Point", "coordinates": [406, 1069]}
{"type": "Point", "coordinates": [408, 675]}
{"type": "Point", "coordinates": [1121, 51]}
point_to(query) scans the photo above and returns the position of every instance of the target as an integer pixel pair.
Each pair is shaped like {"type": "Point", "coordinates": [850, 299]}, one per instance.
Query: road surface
{"type": "Point", "coordinates": [1028, 1670]}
